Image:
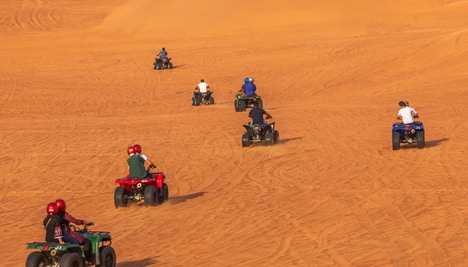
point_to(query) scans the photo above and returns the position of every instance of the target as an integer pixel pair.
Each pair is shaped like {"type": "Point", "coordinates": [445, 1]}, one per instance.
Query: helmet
{"type": "Point", "coordinates": [246, 80]}
{"type": "Point", "coordinates": [61, 204]}
{"type": "Point", "coordinates": [402, 104]}
{"type": "Point", "coordinates": [137, 148]}
{"type": "Point", "coordinates": [251, 79]}
{"type": "Point", "coordinates": [130, 150]}
{"type": "Point", "coordinates": [52, 208]}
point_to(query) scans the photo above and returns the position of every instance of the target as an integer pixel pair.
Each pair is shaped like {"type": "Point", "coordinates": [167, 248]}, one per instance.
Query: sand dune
{"type": "Point", "coordinates": [77, 87]}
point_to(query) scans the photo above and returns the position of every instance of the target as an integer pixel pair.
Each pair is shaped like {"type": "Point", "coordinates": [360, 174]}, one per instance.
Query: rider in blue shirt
{"type": "Point", "coordinates": [162, 54]}
{"type": "Point", "coordinates": [249, 87]}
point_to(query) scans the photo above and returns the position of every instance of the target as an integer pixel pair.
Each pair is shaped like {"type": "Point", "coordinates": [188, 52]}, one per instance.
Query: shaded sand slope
{"type": "Point", "coordinates": [77, 88]}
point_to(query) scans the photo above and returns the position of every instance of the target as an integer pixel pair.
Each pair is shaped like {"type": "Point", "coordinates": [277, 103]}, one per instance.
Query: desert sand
{"type": "Point", "coordinates": [77, 87]}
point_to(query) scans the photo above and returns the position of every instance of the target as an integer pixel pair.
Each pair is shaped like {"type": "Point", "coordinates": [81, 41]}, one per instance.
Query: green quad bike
{"type": "Point", "coordinates": [241, 103]}
{"type": "Point", "coordinates": [72, 255]}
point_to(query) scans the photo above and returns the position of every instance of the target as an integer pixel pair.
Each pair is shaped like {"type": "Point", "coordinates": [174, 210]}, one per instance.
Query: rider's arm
{"type": "Point", "coordinates": [150, 163]}
{"type": "Point", "coordinates": [72, 219]}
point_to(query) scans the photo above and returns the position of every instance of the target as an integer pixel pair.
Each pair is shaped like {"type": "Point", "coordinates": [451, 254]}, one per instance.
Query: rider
{"type": "Point", "coordinates": [202, 88]}
{"type": "Point", "coordinates": [53, 224]}
{"type": "Point", "coordinates": [136, 164]}
{"type": "Point", "coordinates": [406, 113]}
{"type": "Point", "coordinates": [71, 236]}
{"type": "Point", "coordinates": [248, 88]}
{"type": "Point", "coordinates": [163, 54]}
{"type": "Point", "coordinates": [137, 148]}
{"type": "Point", "coordinates": [257, 115]}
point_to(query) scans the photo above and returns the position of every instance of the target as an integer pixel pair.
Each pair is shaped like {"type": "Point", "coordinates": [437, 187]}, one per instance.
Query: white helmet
{"type": "Point", "coordinates": [251, 79]}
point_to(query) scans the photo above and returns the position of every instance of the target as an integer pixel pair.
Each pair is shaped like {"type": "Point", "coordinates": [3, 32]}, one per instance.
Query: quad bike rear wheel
{"type": "Point", "coordinates": [120, 199]}
{"type": "Point", "coordinates": [395, 140]}
{"type": "Point", "coordinates": [151, 196]}
{"type": "Point", "coordinates": [196, 100]}
{"type": "Point", "coordinates": [275, 136]}
{"type": "Point", "coordinates": [269, 139]}
{"type": "Point", "coordinates": [164, 194]}
{"type": "Point", "coordinates": [242, 105]}
{"type": "Point", "coordinates": [246, 140]}
{"type": "Point", "coordinates": [259, 103]}
{"type": "Point", "coordinates": [71, 260]}
{"type": "Point", "coordinates": [211, 100]}
{"type": "Point", "coordinates": [420, 137]}
{"type": "Point", "coordinates": [37, 259]}
{"type": "Point", "coordinates": [236, 105]}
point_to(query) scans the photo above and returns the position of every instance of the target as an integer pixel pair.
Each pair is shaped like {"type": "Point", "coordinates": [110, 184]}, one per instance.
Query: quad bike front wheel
{"type": "Point", "coordinates": [108, 258]}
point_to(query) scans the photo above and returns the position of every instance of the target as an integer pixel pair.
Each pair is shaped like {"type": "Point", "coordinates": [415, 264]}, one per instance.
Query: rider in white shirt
{"type": "Point", "coordinates": [201, 88]}
{"type": "Point", "coordinates": [406, 113]}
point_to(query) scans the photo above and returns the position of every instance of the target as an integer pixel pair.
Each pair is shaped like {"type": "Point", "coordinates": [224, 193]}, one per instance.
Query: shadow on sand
{"type": "Point", "coordinates": [285, 140]}
{"type": "Point", "coordinates": [137, 263]}
{"type": "Point", "coordinates": [180, 199]}
{"type": "Point", "coordinates": [436, 142]}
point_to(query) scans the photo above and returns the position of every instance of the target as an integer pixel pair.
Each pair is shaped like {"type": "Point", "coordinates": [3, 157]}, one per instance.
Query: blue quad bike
{"type": "Point", "coordinates": [408, 133]}
{"type": "Point", "coordinates": [50, 254]}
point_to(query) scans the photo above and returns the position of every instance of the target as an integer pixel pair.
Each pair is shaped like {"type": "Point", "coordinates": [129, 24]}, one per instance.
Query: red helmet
{"type": "Point", "coordinates": [130, 150]}
{"type": "Point", "coordinates": [52, 208]}
{"type": "Point", "coordinates": [137, 148]}
{"type": "Point", "coordinates": [61, 205]}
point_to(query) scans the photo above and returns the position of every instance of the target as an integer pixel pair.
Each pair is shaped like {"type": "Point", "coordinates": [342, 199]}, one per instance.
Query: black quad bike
{"type": "Point", "coordinates": [260, 135]}
{"type": "Point", "coordinates": [72, 255]}
{"type": "Point", "coordinates": [408, 133]}
{"type": "Point", "coordinates": [160, 64]}
{"type": "Point", "coordinates": [203, 99]}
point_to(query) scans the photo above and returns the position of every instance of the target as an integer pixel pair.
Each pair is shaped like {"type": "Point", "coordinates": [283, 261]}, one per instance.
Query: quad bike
{"type": "Point", "coordinates": [203, 99]}
{"type": "Point", "coordinates": [408, 133]}
{"type": "Point", "coordinates": [152, 190]}
{"type": "Point", "coordinates": [160, 64]}
{"type": "Point", "coordinates": [258, 134]}
{"type": "Point", "coordinates": [243, 102]}
{"type": "Point", "coordinates": [72, 255]}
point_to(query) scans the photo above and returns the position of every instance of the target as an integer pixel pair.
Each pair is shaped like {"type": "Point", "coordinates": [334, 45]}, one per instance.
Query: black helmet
{"type": "Point", "coordinates": [402, 104]}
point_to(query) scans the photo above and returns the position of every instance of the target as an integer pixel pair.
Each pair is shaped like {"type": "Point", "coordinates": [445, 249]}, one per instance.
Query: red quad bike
{"type": "Point", "coordinates": [151, 191]}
